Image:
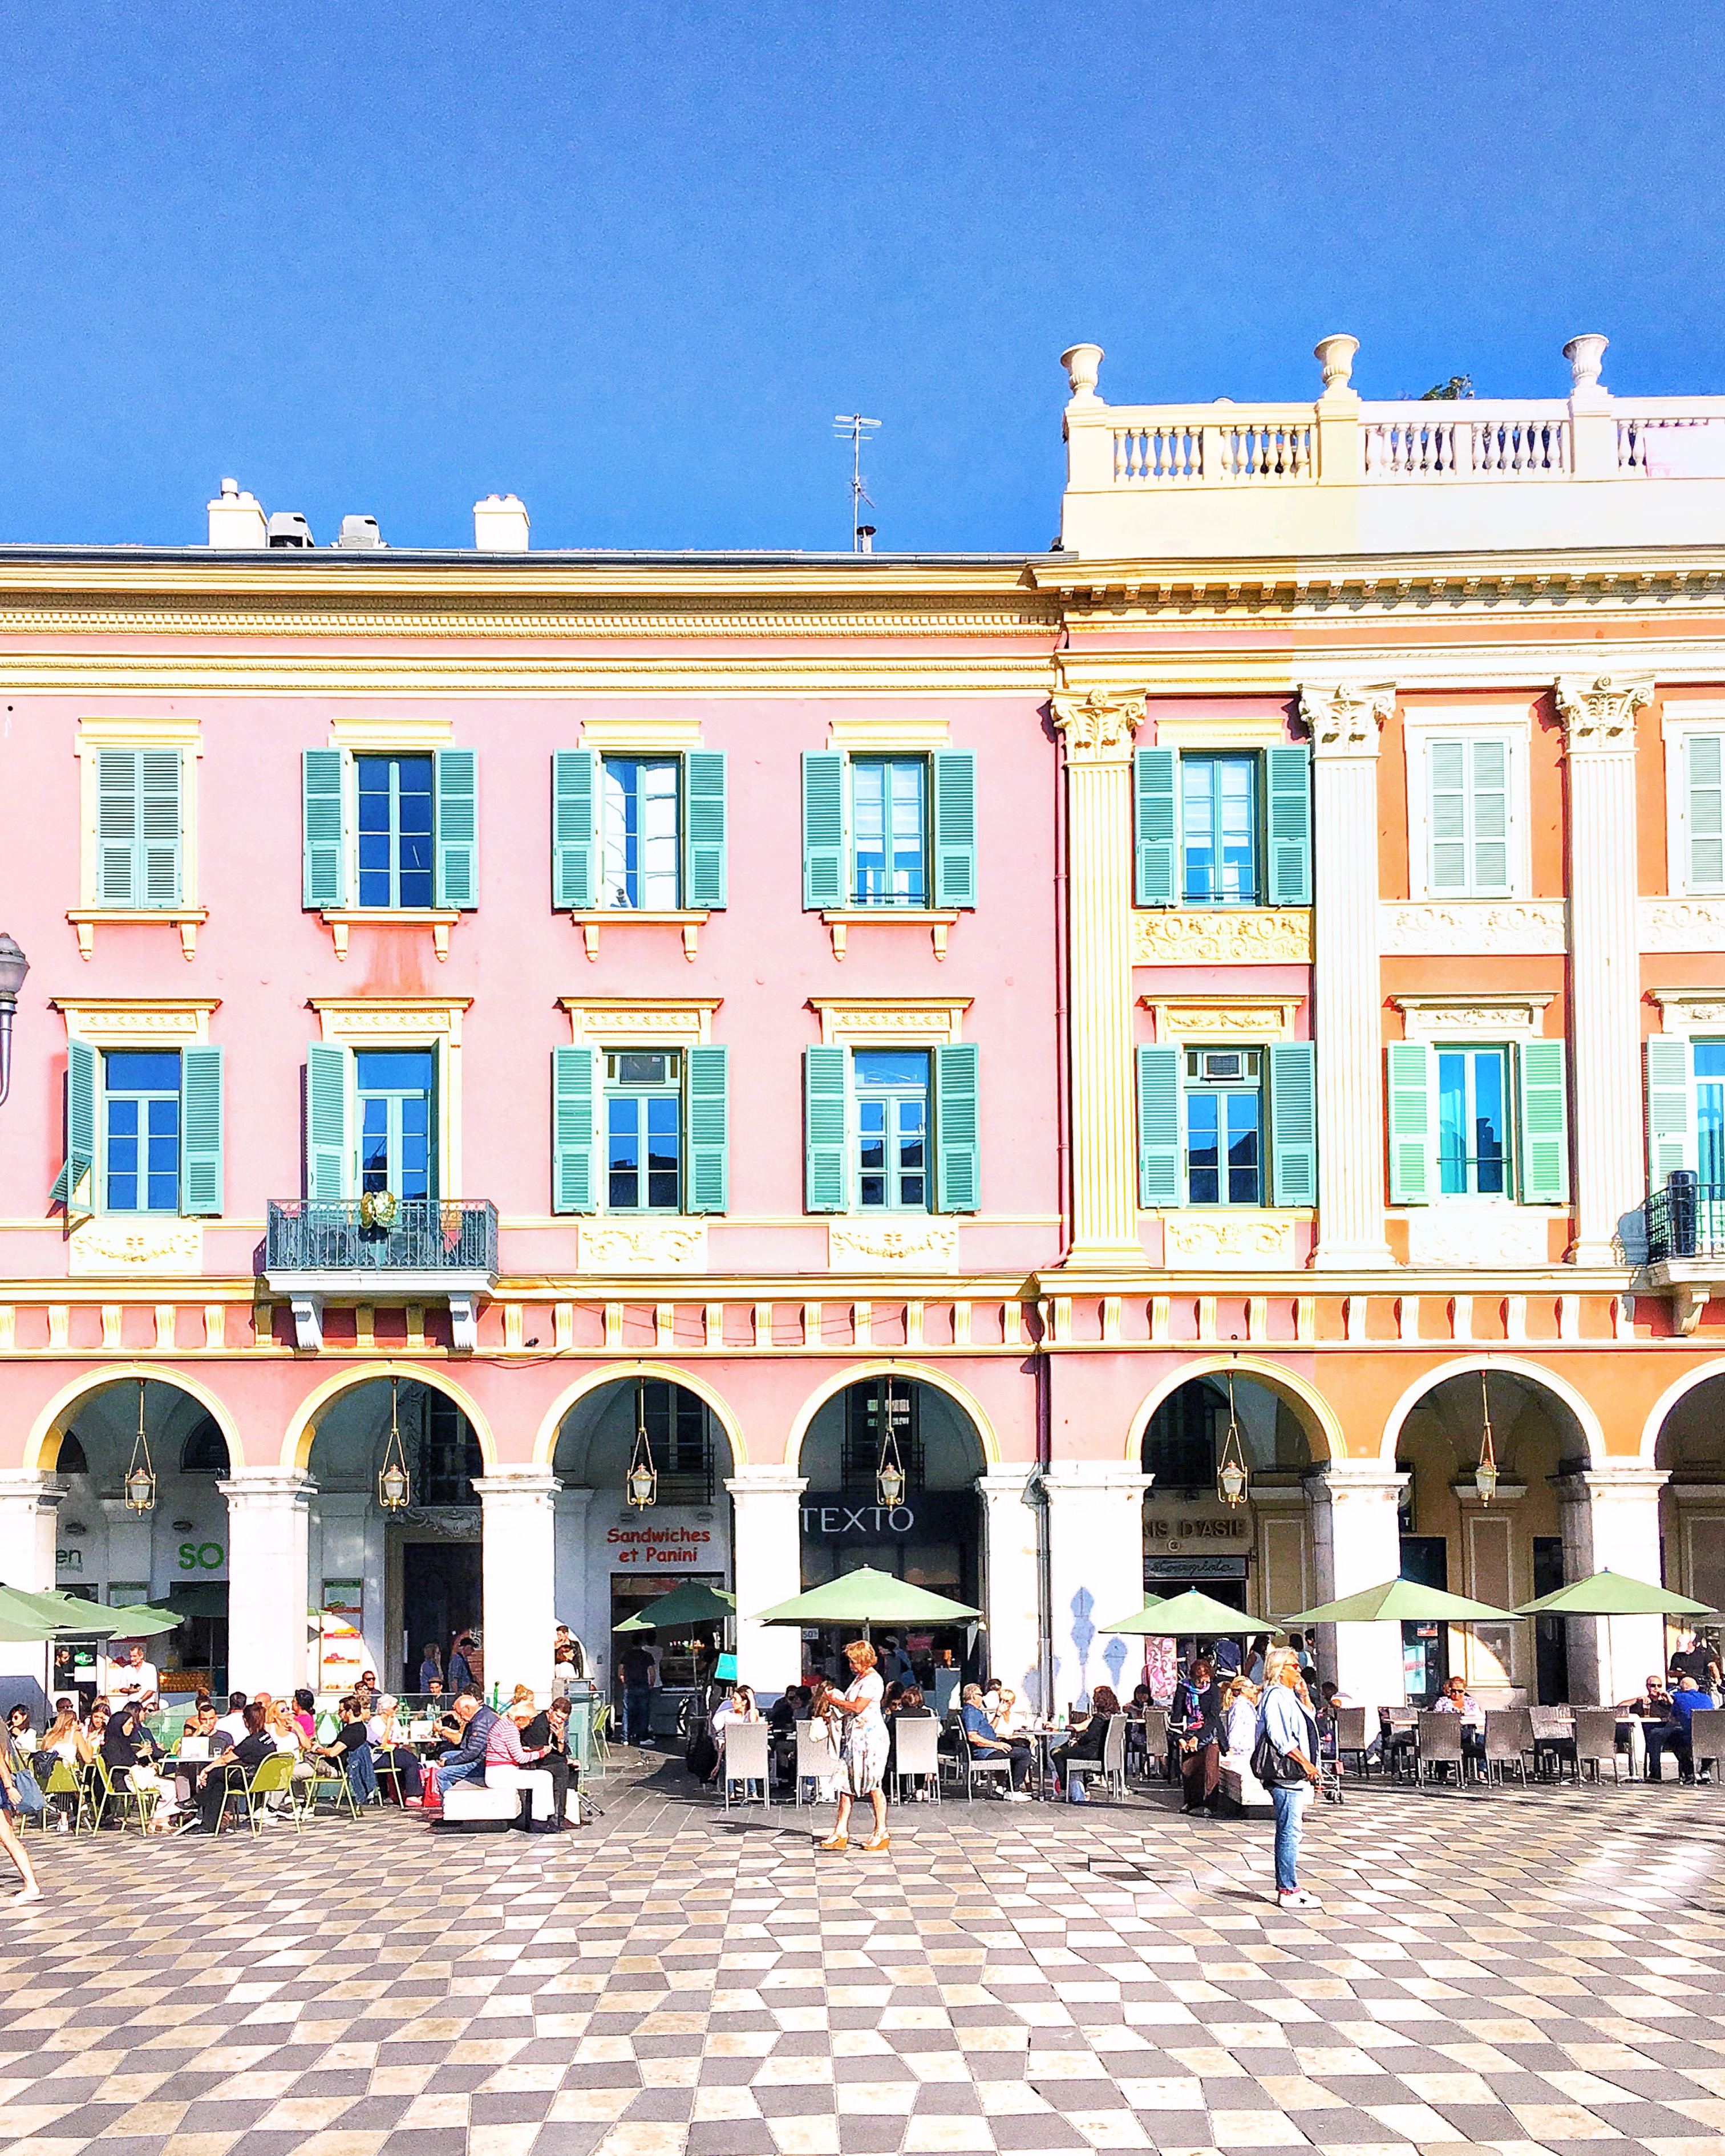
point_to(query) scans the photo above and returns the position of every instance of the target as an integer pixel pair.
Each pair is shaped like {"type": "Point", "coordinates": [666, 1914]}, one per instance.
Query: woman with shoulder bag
{"type": "Point", "coordinates": [1285, 1760]}
{"type": "Point", "coordinates": [11, 1806]}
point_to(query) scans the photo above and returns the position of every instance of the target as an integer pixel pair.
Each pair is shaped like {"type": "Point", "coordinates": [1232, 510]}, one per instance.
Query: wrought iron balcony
{"type": "Point", "coordinates": [422, 1236]}
{"type": "Point", "coordinates": [1685, 1256]}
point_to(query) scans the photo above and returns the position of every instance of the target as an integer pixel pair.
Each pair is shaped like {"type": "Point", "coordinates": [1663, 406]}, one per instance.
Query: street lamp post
{"type": "Point", "coordinates": [13, 966]}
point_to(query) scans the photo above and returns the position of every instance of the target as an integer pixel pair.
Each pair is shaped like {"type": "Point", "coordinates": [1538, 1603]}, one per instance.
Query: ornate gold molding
{"type": "Point", "coordinates": [1224, 1016]}
{"type": "Point", "coordinates": [1515, 1017]}
{"type": "Point", "coordinates": [643, 1246]}
{"type": "Point", "coordinates": [670, 1021]}
{"type": "Point", "coordinates": [1473, 927]}
{"type": "Point", "coordinates": [1599, 713]}
{"type": "Point", "coordinates": [938, 1019]}
{"type": "Point", "coordinates": [1098, 728]}
{"type": "Point", "coordinates": [130, 1245]}
{"type": "Point", "coordinates": [1196, 1239]}
{"type": "Point", "coordinates": [863, 1246]}
{"type": "Point", "coordinates": [137, 1021]}
{"type": "Point", "coordinates": [1231, 936]}
{"type": "Point", "coordinates": [1347, 718]}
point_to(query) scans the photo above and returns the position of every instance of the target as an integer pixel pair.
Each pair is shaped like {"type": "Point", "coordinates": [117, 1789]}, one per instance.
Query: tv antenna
{"type": "Point", "coordinates": [858, 429]}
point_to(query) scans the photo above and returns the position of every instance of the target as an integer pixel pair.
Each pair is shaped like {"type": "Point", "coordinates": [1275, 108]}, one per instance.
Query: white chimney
{"type": "Point", "coordinates": [236, 520]}
{"type": "Point", "coordinates": [499, 525]}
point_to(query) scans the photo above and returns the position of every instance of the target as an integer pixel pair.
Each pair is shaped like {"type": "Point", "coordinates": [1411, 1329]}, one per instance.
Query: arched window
{"type": "Point", "coordinates": [205, 1451]}
{"type": "Point", "coordinates": [444, 1452]}
{"type": "Point", "coordinates": [71, 1460]}
{"type": "Point", "coordinates": [1180, 1445]}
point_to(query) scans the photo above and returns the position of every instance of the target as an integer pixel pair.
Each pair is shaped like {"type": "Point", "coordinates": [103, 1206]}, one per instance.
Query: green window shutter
{"type": "Point", "coordinates": [327, 1148]}
{"type": "Point", "coordinates": [1671, 1138]}
{"type": "Point", "coordinates": [117, 783]}
{"type": "Point", "coordinates": [704, 837]}
{"type": "Point", "coordinates": [957, 1128]}
{"type": "Point", "coordinates": [1411, 1152]}
{"type": "Point", "coordinates": [324, 791]}
{"type": "Point", "coordinates": [1491, 816]}
{"type": "Point", "coordinates": [1705, 783]}
{"type": "Point", "coordinates": [1287, 781]}
{"type": "Point", "coordinates": [955, 828]}
{"type": "Point", "coordinates": [826, 1182]}
{"type": "Point", "coordinates": [1293, 1122]}
{"type": "Point", "coordinates": [457, 883]}
{"type": "Point", "coordinates": [1156, 857]}
{"type": "Point", "coordinates": [1159, 1146]}
{"type": "Point", "coordinates": [1545, 1124]}
{"type": "Point", "coordinates": [73, 1185]}
{"type": "Point", "coordinates": [574, 830]}
{"type": "Point", "coordinates": [201, 1130]}
{"type": "Point", "coordinates": [573, 1077]}
{"type": "Point", "coordinates": [708, 1130]}
{"type": "Point", "coordinates": [158, 880]}
{"type": "Point", "coordinates": [823, 882]}
{"type": "Point", "coordinates": [1446, 814]}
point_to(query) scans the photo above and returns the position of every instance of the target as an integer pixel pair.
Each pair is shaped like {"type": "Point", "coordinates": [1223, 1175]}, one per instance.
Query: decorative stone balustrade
{"type": "Point", "coordinates": [1343, 476]}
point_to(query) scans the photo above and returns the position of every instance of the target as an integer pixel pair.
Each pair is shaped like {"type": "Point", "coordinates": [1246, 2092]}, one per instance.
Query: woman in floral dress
{"type": "Point", "coordinates": [862, 1748]}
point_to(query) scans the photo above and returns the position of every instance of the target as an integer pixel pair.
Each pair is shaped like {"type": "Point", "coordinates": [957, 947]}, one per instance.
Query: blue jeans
{"type": "Point", "coordinates": [1289, 1802]}
{"type": "Point", "coordinates": [446, 1772]}
{"type": "Point", "coordinates": [637, 1712]}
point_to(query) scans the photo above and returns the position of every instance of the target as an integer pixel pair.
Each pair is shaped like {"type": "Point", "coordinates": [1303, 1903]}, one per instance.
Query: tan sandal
{"type": "Point", "coordinates": [835, 1842]}
{"type": "Point", "coordinates": [881, 1841]}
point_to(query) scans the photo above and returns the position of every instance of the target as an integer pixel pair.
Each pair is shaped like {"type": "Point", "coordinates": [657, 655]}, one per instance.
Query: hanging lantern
{"type": "Point", "coordinates": [141, 1476]}
{"type": "Point", "coordinates": [1232, 1477]}
{"type": "Point", "coordinates": [395, 1491]}
{"type": "Point", "coordinates": [1485, 1475]}
{"type": "Point", "coordinates": [641, 1483]}
{"type": "Point", "coordinates": [889, 1471]}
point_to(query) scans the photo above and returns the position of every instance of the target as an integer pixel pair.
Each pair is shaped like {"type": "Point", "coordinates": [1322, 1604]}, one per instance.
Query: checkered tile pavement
{"type": "Point", "coordinates": [1518, 1972]}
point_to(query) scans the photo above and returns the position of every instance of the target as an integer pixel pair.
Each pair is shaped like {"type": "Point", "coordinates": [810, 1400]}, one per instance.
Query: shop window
{"type": "Point", "coordinates": [205, 1451]}
{"type": "Point", "coordinates": [679, 1433]}
{"type": "Point", "coordinates": [867, 1416]}
{"type": "Point", "coordinates": [446, 1456]}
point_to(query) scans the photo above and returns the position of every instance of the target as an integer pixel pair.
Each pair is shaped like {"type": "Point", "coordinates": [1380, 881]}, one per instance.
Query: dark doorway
{"type": "Point", "coordinates": [440, 1596]}
{"type": "Point", "coordinates": [1425, 1648]}
{"type": "Point", "coordinates": [1551, 1634]}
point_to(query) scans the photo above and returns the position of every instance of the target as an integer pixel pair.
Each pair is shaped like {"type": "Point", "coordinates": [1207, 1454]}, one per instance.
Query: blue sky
{"type": "Point", "coordinates": [629, 260]}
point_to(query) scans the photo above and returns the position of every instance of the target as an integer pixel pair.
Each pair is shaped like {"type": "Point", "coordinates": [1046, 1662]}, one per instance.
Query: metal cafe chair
{"type": "Point", "coordinates": [744, 1760]}
{"type": "Point", "coordinates": [817, 1762]}
{"type": "Point", "coordinates": [272, 1777]}
{"type": "Point", "coordinates": [1440, 1738]}
{"type": "Point", "coordinates": [1155, 1742]}
{"type": "Point", "coordinates": [1554, 1741]}
{"type": "Point", "coordinates": [1509, 1741]}
{"type": "Point", "coordinates": [1112, 1766]}
{"type": "Point", "coordinates": [124, 1798]}
{"type": "Point", "coordinates": [916, 1746]}
{"type": "Point", "coordinates": [1351, 1738]}
{"type": "Point", "coordinates": [1596, 1742]}
{"type": "Point", "coordinates": [1707, 1739]}
{"type": "Point", "coordinates": [1400, 1744]}
{"type": "Point", "coordinates": [64, 1782]}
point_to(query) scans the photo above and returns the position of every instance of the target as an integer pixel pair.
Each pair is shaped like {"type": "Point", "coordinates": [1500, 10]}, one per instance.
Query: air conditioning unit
{"type": "Point", "coordinates": [1222, 1066]}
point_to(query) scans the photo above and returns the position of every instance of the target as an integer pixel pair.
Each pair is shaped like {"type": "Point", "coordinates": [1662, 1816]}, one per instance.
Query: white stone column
{"type": "Point", "coordinates": [766, 1554]}
{"type": "Point", "coordinates": [27, 1505]}
{"type": "Point", "coordinates": [1346, 721]}
{"type": "Point", "coordinates": [1355, 1537]}
{"type": "Point", "coordinates": [1096, 1559]}
{"type": "Point", "coordinates": [518, 1577]}
{"type": "Point", "coordinates": [1610, 1519]}
{"type": "Point", "coordinates": [1098, 731]}
{"type": "Point", "coordinates": [1011, 1592]}
{"type": "Point", "coordinates": [570, 1585]}
{"type": "Point", "coordinates": [1599, 714]}
{"type": "Point", "coordinates": [267, 1579]}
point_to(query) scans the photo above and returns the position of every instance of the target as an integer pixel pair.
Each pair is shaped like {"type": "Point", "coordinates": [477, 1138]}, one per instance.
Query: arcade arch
{"type": "Point", "coordinates": [1686, 1437]}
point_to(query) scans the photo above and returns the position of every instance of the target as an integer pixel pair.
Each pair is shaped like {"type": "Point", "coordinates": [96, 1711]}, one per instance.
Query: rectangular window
{"type": "Point", "coordinates": [1224, 1161]}
{"type": "Point", "coordinates": [1467, 818]}
{"type": "Point", "coordinates": [1704, 812]}
{"type": "Point", "coordinates": [396, 1090]}
{"type": "Point", "coordinates": [643, 1130]}
{"type": "Point", "coordinates": [641, 833]}
{"type": "Point", "coordinates": [892, 1087]}
{"type": "Point", "coordinates": [1219, 827]}
{"type": "Point", "coordinates": [1473, 1122]}
{"type": "Point", "coordinates": [1710, 1116]}
{"type": "Point", "coordinates": [888, 823]}
{"type": "Point", "coordinates": [397, 828]}
{"type": "Point", "coordinates": [141, 1129]}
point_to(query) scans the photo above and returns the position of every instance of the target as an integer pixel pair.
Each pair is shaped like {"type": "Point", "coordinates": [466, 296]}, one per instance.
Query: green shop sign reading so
{"type": "Point", "coordinates": [202, 1556]}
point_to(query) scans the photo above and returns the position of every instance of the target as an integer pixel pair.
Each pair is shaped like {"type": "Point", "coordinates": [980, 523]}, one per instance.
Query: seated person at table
{"type": "Point", "coordinates": [352, 1750]}
{"type": "Point", "coordinates": [306, 1715]}
{"type": "Point", "coordinates": [1090, 1733]}
{"type": "Point", "coordinates": [1654, 1703]}
{"type": "Point", "coordinates": [128, 1751]}
{"type": "Point", "coordinates": [548, 1734]}
{"type": "Point", "coordinates": [395, 1760]}
{"type": "Point", "coordinates": [785, 1712]}
{"type": "Point", "coordinates": [18, 1733]}
{"type": "Point", "coordinates": [466, 1760]}
{"type": "Point", "coordinates": [979, 1733]}
{"type": "Point", "coordinates": [1455, 1698]}
{"type": "Point", "coordinates": [233, 1770]}
{"type": "Point", "coordinates": [194, 1724]}
{"type": "Point", "coordinates": [1699, 1660]}
{"type": "Point", "coordinates": [738, 1705]}
{"type": "Point", "coordinates": [1675, 1735]}
{"type": "Point", "coordinates": [232, 1725]}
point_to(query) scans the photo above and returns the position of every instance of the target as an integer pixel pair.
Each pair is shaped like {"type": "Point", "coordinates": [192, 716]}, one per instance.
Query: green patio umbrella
{"type": "Point", "coordinates": [693, 1604]}
{"type": "Point", "coordinates": [866, 1597]}
{"type": "Point", "coordinates": [139, 1620]}
{"type": "Point", "coordinates": [1190, 1612]}
{"type": "Point", "coordinates": [77, 1618]}
{"type": "Point", "coordinates": [1402, 1602]}
{"type": "Point", "coordinates": [1609, 1594]}
{"type": "Point", "coordinates": [22, 1618]}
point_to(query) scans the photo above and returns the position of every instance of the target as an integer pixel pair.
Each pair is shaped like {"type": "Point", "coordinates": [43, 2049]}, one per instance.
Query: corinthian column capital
{"type": "Point", "coordinates": [1346, 717]}
{"type": "Point", "coordinates": [1598, 711]}
{"type": "Point", "coordinates": [1098, 728]}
